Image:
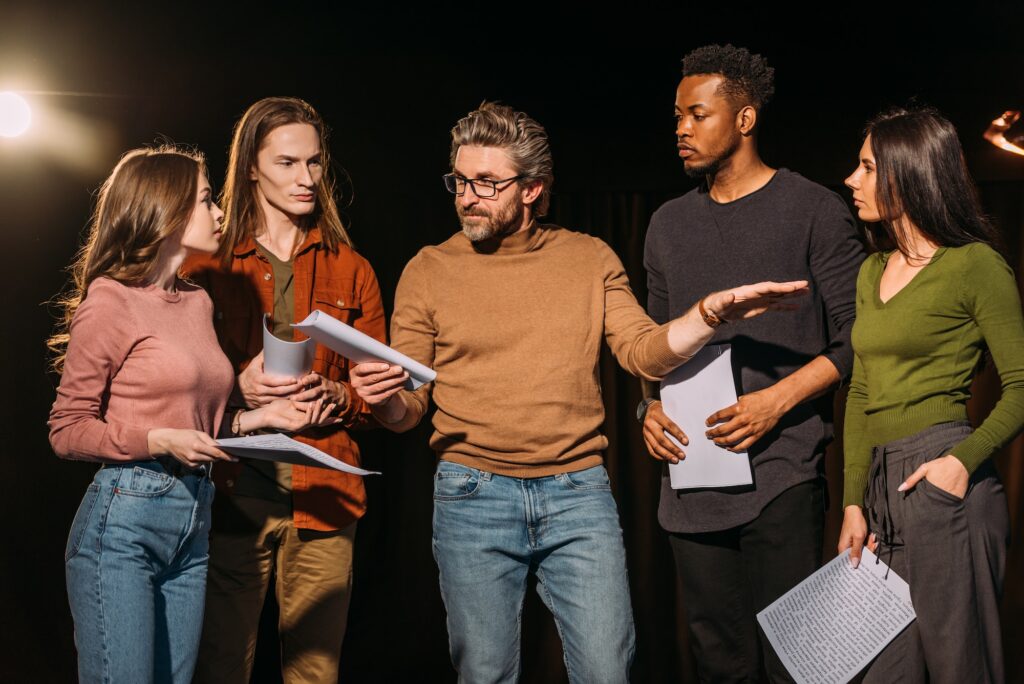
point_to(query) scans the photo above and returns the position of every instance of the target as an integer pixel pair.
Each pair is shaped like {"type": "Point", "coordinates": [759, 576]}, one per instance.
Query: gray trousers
{"type": "Point", "coordinates": [952, 553]}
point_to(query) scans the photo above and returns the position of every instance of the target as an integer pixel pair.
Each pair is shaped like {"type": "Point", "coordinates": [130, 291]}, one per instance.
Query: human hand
{"type": "Point", "coordinates": [656, 425]}
{"type": "Point", "coordinates": [377, 382]}
{"type": "Point", "coordinates": [191, 447]}
{"type": "Point", "coordinates": [259, 389]}
{"type": "Point", "coordinates": [853, 532]}
{"type": "Point", "coordinates": [748, 301]}
{"type": "Point", "coordinates": [947, 473]}
{"type": "Point", "coordinates": [317, 387]}
{"type": "Point", "coordinates": [289, 415]}
{"type": "Point", "coordinates": [746, 421]}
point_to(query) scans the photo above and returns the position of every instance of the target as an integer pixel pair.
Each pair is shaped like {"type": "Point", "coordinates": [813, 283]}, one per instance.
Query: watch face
{"type": "Point", "coordinates": [641, 409]}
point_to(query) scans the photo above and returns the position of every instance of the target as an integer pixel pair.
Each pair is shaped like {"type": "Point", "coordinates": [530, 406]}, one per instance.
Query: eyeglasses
{"type": "Point", "coordinates": [482, 187]}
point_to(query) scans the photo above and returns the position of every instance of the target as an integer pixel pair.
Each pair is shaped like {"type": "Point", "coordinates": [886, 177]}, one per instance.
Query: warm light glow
{"type": "Point", "coordinates": [15, 115]}
{"type": "Point", "coordinates": [997, 129]}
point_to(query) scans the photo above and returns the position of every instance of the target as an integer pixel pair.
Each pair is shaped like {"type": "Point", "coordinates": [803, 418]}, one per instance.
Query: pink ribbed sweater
{"type": "Point", "coordinates": [139, 358]}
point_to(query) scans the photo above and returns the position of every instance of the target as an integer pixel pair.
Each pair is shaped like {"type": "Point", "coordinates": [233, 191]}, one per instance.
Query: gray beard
{"type": "Point", "coordinates": [494, 226]}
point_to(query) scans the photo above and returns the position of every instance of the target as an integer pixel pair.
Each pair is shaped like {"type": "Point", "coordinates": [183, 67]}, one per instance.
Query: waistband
{"type": "Point", "coordinates": [169, 464]}
{"type": "Point", "coordinates": [923, 441]}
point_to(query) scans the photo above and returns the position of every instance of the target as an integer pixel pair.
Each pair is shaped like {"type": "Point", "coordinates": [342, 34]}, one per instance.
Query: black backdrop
{"type": "Point", "coordinates": [391, 84]}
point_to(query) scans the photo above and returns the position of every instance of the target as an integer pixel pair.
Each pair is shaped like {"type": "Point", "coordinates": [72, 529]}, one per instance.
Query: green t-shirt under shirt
{"type": "Point", "coordinates": [269, 479]}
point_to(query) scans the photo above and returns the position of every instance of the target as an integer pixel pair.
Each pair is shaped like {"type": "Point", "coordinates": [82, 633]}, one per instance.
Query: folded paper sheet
{"type": "Point", "coordinates": [361, 348]}
{"type": "Point", "coordinates": [689, 394]}
{"type": "Point", "coordinates": [286, 359]}
{"type": "Point", "coordinates": [831, 625]}
{"type": "Point", "coordinates": [284, 449]}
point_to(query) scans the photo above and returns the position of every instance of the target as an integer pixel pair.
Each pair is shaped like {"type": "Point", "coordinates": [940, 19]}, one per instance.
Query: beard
{"type": "Point", "coordinates": [486, 226]}
{"type": "Point", "coordinates": [712, 166]}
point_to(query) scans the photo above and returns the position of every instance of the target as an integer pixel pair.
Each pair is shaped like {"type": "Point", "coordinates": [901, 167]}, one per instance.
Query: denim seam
{"type": "Point", "coordinates": [85, 523]}
{"type": "Point", "coordinates": [186, 535]}
{"type": "Point", "coordinates": [99, 576]}
{"type": "Point", "coordinates": [558, 622]}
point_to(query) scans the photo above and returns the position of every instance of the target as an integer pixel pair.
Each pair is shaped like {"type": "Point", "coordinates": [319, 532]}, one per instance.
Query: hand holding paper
{"type": "Point", "coordinates": [361, 348]}
{"type": "Point", "coordinates": [689, 394]}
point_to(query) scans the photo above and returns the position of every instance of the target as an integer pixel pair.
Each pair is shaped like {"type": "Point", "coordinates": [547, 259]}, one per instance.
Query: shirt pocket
{"type": "Point", "coordinates": [338, 298]}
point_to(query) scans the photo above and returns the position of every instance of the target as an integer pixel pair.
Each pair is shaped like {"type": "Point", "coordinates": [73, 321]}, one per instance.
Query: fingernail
{"type": "Point", "coordinates": [854, 562]}
{"type": "Point", "coordinates": [685, 441]}
{"type": "Point", "coordinates": [901, 487]}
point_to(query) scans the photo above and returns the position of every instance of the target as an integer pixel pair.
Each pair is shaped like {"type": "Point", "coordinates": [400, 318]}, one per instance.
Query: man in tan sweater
{"type": "Point", "coordinates": [511, 314]}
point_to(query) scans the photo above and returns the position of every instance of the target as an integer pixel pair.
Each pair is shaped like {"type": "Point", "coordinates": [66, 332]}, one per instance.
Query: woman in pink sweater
{"type": "Point", "coordinates": [144, 387]}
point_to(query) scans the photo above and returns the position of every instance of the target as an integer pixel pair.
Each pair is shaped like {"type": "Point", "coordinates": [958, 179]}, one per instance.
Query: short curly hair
{"type": "Point", "coordinates": [747, 78]}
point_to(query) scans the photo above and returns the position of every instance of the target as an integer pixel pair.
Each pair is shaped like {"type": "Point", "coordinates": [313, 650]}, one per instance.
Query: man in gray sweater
{"type": "Point", "coordinates": [737, 550]}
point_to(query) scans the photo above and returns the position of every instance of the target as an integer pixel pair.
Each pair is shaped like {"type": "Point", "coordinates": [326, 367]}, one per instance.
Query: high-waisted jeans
{"type": "Point", "coordinates": [136, 572]}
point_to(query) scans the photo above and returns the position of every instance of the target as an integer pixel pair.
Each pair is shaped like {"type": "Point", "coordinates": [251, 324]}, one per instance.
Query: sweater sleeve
{"type": "Point", "coordinates": [856, 444]}
{"type": "Point", "coordinates": [989, 293]}
{"type": "Point", "coordinates": [639, 344]}
{"type": "Point", "coordinates": [835, 256]}
{"type": "Point", "coordinates": [102, 335]}
{"type": "Point", "coordinates": [413, 333]}
{"type": "Point", "coordinates": [856, 451]}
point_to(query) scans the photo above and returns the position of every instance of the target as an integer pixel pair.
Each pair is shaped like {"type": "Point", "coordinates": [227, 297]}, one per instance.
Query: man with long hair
{"type": "Point", "coordinates": [738, 550]}
{"type": "Point", "coordinates": [512, 314]}
{"type": "Point", "coordinates": [285, 253]}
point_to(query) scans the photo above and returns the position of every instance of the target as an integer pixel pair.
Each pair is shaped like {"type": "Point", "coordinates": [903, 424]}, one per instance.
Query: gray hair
{"type": "Point", "coordinates": [523, 139]}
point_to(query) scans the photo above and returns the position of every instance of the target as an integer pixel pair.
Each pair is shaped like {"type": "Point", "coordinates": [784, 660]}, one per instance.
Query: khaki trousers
{"type": "Point", "coordinates": [251, 540]}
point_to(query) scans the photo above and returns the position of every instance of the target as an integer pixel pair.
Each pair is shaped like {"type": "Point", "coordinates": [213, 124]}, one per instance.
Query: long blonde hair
{"type": "Point", "coordinates": [242, 212]}
{"type": "Point", "coordinates": [149, 196]}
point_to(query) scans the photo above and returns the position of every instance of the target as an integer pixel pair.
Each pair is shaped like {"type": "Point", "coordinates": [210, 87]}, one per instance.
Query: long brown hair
{"type": "Point", "coordinates": [149, 196]}
{"type": "Point", "coordinates": [242, 211]}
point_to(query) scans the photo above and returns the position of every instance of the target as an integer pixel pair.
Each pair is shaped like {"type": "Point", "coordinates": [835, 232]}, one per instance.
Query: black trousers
{"type": "Point", "coordinates": [952, 553]}
{"type": "Point", "coordinates": [730, 575]}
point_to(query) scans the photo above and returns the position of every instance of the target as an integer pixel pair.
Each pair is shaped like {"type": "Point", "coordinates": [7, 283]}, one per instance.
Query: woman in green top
{"type": "Point", "coordinates": [928, 306]}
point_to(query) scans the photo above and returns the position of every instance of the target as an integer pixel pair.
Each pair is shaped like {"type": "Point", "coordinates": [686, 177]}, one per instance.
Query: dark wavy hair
{"type": "Point", "coordinates": [747, 78]}
{"type": "Point", "coordinates": [922, 176]}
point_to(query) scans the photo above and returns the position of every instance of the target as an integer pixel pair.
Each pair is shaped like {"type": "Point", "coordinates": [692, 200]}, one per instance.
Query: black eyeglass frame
{"type": "Point", "coordinates": [451, 184]}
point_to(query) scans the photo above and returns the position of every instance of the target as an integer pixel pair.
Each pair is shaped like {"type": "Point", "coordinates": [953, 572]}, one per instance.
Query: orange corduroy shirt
{"type": "Point", "coordinates": [341, 284]}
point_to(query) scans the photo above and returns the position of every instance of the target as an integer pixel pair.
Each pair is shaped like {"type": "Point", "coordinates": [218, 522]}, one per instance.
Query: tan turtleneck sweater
{"type": "Point", "coordinates": [514, 333]}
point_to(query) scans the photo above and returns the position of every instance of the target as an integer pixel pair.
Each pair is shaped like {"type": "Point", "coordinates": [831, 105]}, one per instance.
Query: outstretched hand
{"type": "Point", "coordinates": [748, 301]}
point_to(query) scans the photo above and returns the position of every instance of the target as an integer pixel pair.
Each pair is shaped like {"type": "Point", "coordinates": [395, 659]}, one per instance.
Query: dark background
{"type": "Point", "coordinates": [391, 83]}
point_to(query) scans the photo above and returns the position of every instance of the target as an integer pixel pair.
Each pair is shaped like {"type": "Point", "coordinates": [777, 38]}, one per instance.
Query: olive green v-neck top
{"type": "Point", "coordinates": [916, 355]}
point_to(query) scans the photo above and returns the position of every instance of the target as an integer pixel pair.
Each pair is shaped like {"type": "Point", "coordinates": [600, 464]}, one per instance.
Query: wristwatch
{"type": "Point", "coordinates": [641, 409]}
{"type": "Point", "coordinates": [713, 320]}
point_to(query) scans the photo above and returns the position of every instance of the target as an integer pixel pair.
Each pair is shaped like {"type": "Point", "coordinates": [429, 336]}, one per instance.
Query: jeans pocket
{"type": "Point", "coordinates": [454, 482]}
{"type": "Point", "coordinates": [591, 478]}
{"type": "Point", "coordinates": [80, 525]}
{"type": "Point", "coordinates": [146, 481]}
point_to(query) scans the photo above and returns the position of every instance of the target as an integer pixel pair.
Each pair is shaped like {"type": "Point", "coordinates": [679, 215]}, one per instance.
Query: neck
{"type": "Point", "coordinates": [915, 247]}
{"type": "Point", "coordinates": [166, 274]}
{"type": "Point", "coordinates": [739, 175]}
{"type": "Point", "coordinates": [280, 233]}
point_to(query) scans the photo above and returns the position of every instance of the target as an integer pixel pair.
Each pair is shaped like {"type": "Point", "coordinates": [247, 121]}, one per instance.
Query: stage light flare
{"type": "Point", "coordinates": [997, 130]}
{"type": "Point", "coordinates": [15, 115]}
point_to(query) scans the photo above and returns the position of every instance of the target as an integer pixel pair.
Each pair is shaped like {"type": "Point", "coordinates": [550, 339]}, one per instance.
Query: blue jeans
{"type": "Point", "coordinates": [491, 531]}
{"type": "Point", "coordinates": [136, 573]}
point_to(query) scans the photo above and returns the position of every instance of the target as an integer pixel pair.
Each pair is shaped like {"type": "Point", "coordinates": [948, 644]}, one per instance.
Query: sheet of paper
{"type": "Point", "coordinates": [360, 348]}
{"type": "Point", "coordinates": [284, 449]}
{"type": "Point", "coordinates": [830, 626]}
{"type": "Point", "coordinates": [285, 358]}
{"type": "Point", "coordinates": [690, 394]}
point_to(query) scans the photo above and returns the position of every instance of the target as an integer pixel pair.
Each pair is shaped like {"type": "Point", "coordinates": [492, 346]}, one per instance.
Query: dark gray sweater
{"type": "Point", "coordinates": [791, 229]}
